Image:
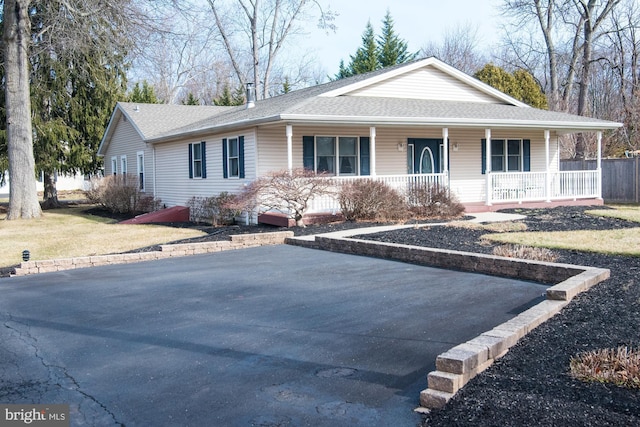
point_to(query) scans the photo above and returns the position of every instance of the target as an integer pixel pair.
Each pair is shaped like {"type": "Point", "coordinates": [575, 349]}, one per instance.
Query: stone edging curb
{"type": "Point", "coordinates": [237, 241]}
{"type": "Point", "coordinates": [458, 365]}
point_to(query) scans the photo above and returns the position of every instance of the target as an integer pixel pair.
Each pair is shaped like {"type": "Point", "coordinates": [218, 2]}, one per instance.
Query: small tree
{"type": "Point", "coordinates": [286, 192]}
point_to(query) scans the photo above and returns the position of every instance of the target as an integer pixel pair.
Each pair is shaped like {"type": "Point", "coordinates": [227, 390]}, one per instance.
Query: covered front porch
{"type": "Point", "coordinates": [529, 174]}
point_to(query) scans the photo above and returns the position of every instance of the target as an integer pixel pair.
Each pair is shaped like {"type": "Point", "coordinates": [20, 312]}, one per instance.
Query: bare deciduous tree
{"type": "Point", "coordinates": [284, 191]}
{"type": "Point", "coordinates": [458, 48]}
{"type": "Point", "coordinates": [254, 32]}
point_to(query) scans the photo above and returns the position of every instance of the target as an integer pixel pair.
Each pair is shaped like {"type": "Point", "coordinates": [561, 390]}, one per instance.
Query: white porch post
{"type": "Point", "coordinates": [445, 154]}
{"type": "Point", "coordinates": [487, 136]}
{"type": "Point", "coordinates": [599, 165]}
{"type": "Point", "coordinates": [547, 176]}
{"type": "Point", "coordinates": [289, 132]}
{"type": "Point", "coordinates": [372, 149]}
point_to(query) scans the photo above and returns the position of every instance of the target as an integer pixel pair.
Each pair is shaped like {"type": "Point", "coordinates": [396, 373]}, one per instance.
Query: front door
{"type": "Point", "coordinates": [423, 155]}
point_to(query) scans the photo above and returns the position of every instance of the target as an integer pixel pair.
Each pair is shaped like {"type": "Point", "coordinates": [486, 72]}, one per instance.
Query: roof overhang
{"type": "Point", "coordinates": [304, 119]}
{"type": "Point", "coordinates": [453, 123]}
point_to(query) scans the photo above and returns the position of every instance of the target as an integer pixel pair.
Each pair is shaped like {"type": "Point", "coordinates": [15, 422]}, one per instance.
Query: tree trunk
{"type": "Point", "coordinates": [23, 197]}
{"type": "Point", "coordinates": [50, 199]}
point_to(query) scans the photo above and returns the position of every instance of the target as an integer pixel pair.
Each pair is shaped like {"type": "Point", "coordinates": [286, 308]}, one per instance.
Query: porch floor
{"type": "Point", "coordinates": [481, 207]}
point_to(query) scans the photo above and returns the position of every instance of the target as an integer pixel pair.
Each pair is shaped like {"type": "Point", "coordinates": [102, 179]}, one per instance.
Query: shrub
{"type": "Point", "coordinates": [369, 200]}
{"type": "Point", "coordinates": [525, 252]}
{"type": "Point", "coordinates": [121, 194]}
{"type": "Point", "coordinates": [619, 366]}
{"type": "Point", "coordinates": [433, 201]}
{"type": "Point", "coordinates": [216, 210]}
{"type": "Point", "coordinates": [283, 191]}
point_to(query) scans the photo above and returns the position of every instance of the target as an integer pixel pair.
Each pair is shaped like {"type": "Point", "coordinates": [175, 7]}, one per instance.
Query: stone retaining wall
{"type": "Point", "coordinates": [458, 365]}
{"type": "Point", "coordinates": [238, 241]}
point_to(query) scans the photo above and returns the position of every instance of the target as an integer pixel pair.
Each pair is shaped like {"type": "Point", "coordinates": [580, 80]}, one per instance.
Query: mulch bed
{"type": "Point", "coordinates": [531, 384]}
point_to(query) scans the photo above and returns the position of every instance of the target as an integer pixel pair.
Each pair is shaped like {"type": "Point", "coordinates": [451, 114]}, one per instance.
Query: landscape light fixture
{"type": "Point", "coordinates": [26, 255]}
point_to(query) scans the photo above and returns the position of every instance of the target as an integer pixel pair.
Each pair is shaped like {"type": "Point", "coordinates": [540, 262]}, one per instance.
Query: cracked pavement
{"type": "Point", "coordinates": [266, 336]}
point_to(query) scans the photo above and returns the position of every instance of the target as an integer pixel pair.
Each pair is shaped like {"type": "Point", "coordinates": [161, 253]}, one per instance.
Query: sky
{"type": "Point", "coordinates": [416, 21]}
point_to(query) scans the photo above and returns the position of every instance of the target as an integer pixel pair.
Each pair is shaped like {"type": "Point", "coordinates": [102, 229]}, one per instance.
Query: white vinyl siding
{"type": "Point", "coordinates": [126, 143]}
{"type": "Point", "coordinates": [174, 187]}
{"type": "Point", "coordinates": [425, 83]}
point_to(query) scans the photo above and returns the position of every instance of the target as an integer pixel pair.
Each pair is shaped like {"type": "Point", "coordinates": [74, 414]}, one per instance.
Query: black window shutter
{"type": "Point", "coordinates": [365, 156]}
{"type": "Point", "coordinates": [241, 156]}
{"type": "Point", "coordinates": [225, 172]}
{"type": "Point", "coordinates": [526, 155]}
{"type": "Point", "coordinates": [308, 153]}
{"type": "Point", "coordinates": [484, 156]}
{"type": "Point", "coordinates": [203, 150]}
{"type": "Point", "coordinates": [190, 161]}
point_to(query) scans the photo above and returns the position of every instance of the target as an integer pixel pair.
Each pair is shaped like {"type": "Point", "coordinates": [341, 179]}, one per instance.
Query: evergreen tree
{"type": "Point", "coordinates": [387, 50]}
{"type": "Point", "coordinates": [392, 50]}
{"type": "Point", "coordinates": [530, 90]}
{"type": "Point", "coordinates": [286, 86]}
{"type": "Point", "coordinates": [342, 71]}
{"type": "Point", "coordinates": [366, 57]}
{"type": "Point", "coordinates": [520, 85]}
{"type": "Point", "coordinates": [144, 95]}
{"type": "Point", "coordinates": [230, 99]}
{"type": "Point", "coordinates": [191, 100]}
{"type": "Point", "coordinates": [73, 94]}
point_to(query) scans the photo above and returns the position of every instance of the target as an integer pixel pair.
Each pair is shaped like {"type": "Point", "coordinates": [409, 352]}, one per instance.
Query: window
{"type": "Point", "coordinates": [140, 157]}
{"type": "Point", "coordinates": [326, 154]}
{"type": "Point", "coordinates": [336, 155]}
{"type": "Point", "coordinates": [348, 152]}
{"type": "Point", "coordinates": [508, 155]}
{"type": "Point", "coordinates": [114, 165]}
{"type": "Point", "coordinates": [197, 160]}
{"type": "Point", "coordinates": [123, 165]}
{"type": "Point", "coordinates": [233, 157]}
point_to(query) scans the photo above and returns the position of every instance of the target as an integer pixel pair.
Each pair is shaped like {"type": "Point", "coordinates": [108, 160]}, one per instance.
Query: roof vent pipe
{"type": "Point", "coordinates": [251, 96]}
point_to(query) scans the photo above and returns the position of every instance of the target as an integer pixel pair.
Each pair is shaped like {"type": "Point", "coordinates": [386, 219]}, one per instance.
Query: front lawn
{"type": "Point", "coordinates": [612, 242]}
{"type": "Point", "coordinates": [69, 232]}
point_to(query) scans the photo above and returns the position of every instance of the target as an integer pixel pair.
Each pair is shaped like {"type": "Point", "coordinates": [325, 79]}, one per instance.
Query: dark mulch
{"type": "Point", "coordinates": [530, 385]}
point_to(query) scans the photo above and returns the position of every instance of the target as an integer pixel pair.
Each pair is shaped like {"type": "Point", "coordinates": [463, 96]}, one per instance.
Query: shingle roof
{"type": "Point", "coordinates": [154, 120]}
{"type": "Point", "coordinates": [327, 103]}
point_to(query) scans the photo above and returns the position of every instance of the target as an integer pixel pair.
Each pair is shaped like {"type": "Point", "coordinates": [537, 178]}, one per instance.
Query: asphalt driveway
{"type": "Point", "coordinates": [270, 336]}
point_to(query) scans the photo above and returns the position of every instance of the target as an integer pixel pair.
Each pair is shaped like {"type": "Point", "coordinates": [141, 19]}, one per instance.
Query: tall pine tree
{"type": "Point", "coordinates": [389, 49]}
{"type": "Point", "coordinates": [366, 57]}
{"type": "Point", "coordinates": [73, 93]}
{"type": "Point", "coordinates": [144, 94]}
{"type": "Point", "coordinates": [392, 50]}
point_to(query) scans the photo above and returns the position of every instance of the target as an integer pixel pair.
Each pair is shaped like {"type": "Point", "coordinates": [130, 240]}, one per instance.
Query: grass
{"type": "Point", "coordinates": [69, 232]}
{"type": "Point", "coordinates": [626, 212]}
{"type": "Point", "coordinates": [611, 242]}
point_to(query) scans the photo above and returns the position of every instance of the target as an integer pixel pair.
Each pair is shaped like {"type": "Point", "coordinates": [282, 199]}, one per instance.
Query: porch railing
{"type": "Point", "coordinates": [400, 183]}
{"type": "Point", "coordinates": [537, 186]}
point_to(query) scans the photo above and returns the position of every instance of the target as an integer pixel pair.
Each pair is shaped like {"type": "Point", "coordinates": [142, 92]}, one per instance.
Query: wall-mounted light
{"type": "Point", "coordinates": [455, 146]}
{"type": "Point", "coordinates": [402, 146]}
